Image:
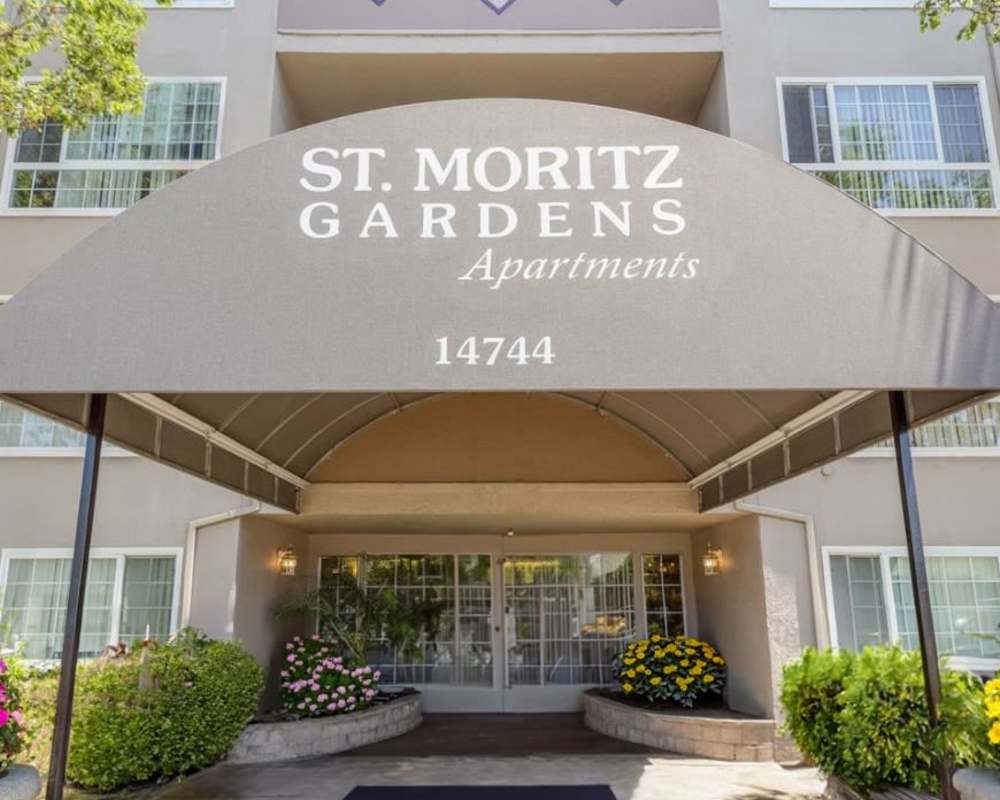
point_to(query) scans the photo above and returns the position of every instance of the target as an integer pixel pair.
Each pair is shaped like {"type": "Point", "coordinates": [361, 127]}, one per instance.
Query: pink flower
{"type": "Point", "coordinates": [323, 698]}
{"type": "Point", "coordinates": [341, 690]}
{"type": "Point", "coordinates": [291, 659]}
{"type": "Point", "coordinates": [341, 704]}
{"type": "Point", "coordinates": [331, 707]}
{"type": "Point", "coordinates": [289, 646]}
{"type": "Point", "coordinates": [377, 675]}
{"type": "Point", "coordinates": [18, 717]}
{"type": "Point", "coordinates": [3, 666]}
{"type": "Point", "coordinates": [4, 717]}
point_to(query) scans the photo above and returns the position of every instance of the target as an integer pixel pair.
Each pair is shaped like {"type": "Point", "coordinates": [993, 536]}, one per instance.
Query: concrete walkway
{"type": "Point", "coordinates": [631, 777]}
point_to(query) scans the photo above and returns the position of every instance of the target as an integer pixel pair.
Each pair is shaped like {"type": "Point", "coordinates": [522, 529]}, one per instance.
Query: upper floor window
{"type": "Point", "coordinates": [905, 146]}
{"type": "Point", "coordinates": [116, 161]}
{"type": "Point", "coordinates": [20, 428]}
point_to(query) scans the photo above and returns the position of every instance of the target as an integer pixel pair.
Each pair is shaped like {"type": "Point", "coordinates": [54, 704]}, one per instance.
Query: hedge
{"type": "Point", "coordinates": [863, 718]}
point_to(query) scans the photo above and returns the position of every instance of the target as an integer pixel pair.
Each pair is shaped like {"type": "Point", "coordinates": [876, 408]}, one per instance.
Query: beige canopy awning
{"type": "Point", "coordinates": [741, 315]}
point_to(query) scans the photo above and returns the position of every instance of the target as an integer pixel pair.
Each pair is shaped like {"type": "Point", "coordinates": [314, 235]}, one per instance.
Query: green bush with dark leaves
{"type": "Point", "coordinates": [160, 712]}
{"type": "Point", "coordinates": [863, 718]}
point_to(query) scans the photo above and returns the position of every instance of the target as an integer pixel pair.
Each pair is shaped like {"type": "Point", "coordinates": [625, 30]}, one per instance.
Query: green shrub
{"type": "Point", "coordinates": [162, 712]}
{"type": "Point", "coordinates": [39, 698]}
{"type": "Point", "coordinates": [863, 718]}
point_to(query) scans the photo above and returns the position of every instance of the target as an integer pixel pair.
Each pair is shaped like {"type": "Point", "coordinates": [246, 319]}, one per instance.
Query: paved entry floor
{"type": "Point", "coordinates": [503, 750]}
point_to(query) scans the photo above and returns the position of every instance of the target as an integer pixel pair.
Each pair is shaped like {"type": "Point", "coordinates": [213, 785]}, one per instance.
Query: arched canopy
{"type": "Point", "coordinates": [737, 312]}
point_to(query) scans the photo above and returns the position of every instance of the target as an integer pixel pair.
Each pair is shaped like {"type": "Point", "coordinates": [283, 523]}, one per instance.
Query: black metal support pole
{"type": "Point", "coordinates": [74, 604]}
{"type": "Point", "coordinates": [918, 572]}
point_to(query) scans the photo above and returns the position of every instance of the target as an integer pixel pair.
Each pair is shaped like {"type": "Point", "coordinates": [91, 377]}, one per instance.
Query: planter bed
{"type": "Point", "coordinates": [281, 738]}
{"type": "Point", "coordinates": [20, 783]}
{"type": "Point", "coordinates": [709, 733]}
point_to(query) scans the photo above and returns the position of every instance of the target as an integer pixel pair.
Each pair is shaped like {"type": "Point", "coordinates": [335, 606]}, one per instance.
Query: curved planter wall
{"type": "Point", "coordinates": [20, 783]}
{"type": "Point", "coordinates": [978, 784]}
{"type": "Point", "coordinates": [726, 739]}
{"type": "Point", "coordinates": [282, 741]}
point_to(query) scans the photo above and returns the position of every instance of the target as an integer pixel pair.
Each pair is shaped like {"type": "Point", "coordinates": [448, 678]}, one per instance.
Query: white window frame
{"type": "Point", "coordinates": [884, 553]}
{"type": "Point", "coordinates": [937, 452]}
{"type": "Point", "coordinates": [992, 166]}
{"type": "Point", "coordinates": [121, 165]}
{"type": "Point", "coordinates": [827, 4]}
{"type": "Point", "coordinates": [189, 5]}
{"type": "Point", "coordinates": [119, 554]}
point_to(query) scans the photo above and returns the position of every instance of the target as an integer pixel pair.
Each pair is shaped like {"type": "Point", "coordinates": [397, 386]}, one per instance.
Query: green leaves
{"type": "Point", "coordinates": [92, 45]}
{"type": "Point", "coordinates": [980, 14]}
{"type": "Point", "coordinates": [863, 718]}
{"type": "Point", "coordinates": [154, 715]}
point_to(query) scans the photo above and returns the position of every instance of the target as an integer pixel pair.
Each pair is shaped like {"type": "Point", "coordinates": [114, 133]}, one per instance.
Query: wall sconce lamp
{"type": "Point", "coordinates": [288, 562]}
{"type": "Point", "coordinates": [711, 562]}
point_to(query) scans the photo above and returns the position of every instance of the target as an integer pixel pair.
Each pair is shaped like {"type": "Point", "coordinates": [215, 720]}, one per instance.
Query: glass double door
{"type": "Point", "coordinates": [565, 618]}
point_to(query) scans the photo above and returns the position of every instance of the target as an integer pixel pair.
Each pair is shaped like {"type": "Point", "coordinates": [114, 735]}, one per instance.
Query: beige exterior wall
{"type": "Point", "coordinates": [762, 44]}
{"type": "Point", "coordinates": [759, 611]}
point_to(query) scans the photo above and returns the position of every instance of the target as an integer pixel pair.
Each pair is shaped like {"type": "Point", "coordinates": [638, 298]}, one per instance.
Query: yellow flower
{"type": "Point", "coordinates": [690, 651]}
{"type": "Point", "coordinates": [657, 638]}
{"type": "Point", "coordinates": [995, 733]}
{"type": "Point", "coordinates": [631, 673]}
{"type": "Point", "coordinates": [670, 669]}
{"type": "Point", "coordinates": [697, 671]}
{"type": "Point", "coordinates": [685, 663]}
{"type": "Point", "coordinates": [655, 681]}
{"type": "Point", "coordinates": [627, 688]}
{"type": "Point", "coordinates": [993, 708]}
{"type": "Point", "coordinates": [708, 679]}
{"type": "Point", "coordinates": [629, 662]}
{"type": "Point", "coordinates": [993, 687]}
{"type": "Point", "coordinates": [657, 654]}
{"type": "Point", "coordinates": [718, 660]}
{"type": "Point", "coordinates": [641, 670]}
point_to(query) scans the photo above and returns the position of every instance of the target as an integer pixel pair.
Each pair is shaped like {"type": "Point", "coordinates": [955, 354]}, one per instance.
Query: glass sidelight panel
{"type": "Point", "coordinates": [664, 591]}
{"type": "Point", "coordinates": [567, 616]}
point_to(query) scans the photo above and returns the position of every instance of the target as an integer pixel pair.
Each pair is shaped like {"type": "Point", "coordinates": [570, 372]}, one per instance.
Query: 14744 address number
{"type": "Point", "coordinates": [489, 351]}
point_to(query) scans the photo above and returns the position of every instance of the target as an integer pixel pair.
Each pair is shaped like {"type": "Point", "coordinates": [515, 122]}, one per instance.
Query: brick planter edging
{"type": "Point", "coordinates": [308, 738]}
{"type": "Point", "coordinates": [20, 783]}
{"type": "Point", "coordinates": [978, 784]}
{"type": "Point", "coordinates": [707, 737]}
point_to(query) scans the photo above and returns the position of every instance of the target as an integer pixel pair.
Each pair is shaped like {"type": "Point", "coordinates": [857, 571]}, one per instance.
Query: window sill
{"type": "Point", "coordinates": [931, 452]}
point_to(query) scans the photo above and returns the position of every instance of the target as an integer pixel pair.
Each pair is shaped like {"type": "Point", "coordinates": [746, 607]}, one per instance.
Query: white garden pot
{"type": "Point", "coordinates": [20, 783]}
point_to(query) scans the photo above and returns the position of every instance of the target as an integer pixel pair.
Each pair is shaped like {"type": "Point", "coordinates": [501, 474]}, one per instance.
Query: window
{"type": "Point", "coordinates": [664, 591]}
{"type": "Point", "coordinates": [977, 426]}
{"type": "Point", "coordinates": [903, 146]}
{"type": "Point", "coordinates": [129, 594]}
{"type": "Point", "coordinates": [20, 429]}
{"type": "Point", "coordinates": [872, 601]}
{"type": "Point", "coordinates": [455, 590]}
{"type": "Point", "coordinates": [116, 161]}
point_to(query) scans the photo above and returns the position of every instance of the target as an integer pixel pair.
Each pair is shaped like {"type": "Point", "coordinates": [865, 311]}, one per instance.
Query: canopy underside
{"type": "Point", "coordinates": [727, 444]}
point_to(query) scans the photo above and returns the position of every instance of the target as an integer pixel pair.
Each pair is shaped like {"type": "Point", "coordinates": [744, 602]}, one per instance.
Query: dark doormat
{"type": "Point", "coordinates": [481, 793]}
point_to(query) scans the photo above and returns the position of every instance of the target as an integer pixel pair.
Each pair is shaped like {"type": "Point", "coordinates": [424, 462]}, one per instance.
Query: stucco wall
{"type": "Point", "coordinates": [260, 588]}
{"type": "Point", "coordinates": [762, 44]}
{"type": "Point", "coordinates": [139, 503]}
{"type": "Point", "coordinates": [733, 610]}
{"type": "Point", "coordinates": [857, 501]}
{"type": "Point", "coordinates": [213, 601]}
{"type": "Point", "coordinates": [236, 43]}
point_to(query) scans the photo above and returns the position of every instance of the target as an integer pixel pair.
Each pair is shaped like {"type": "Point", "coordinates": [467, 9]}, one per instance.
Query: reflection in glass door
{"type": "Point", "coordinates": [566, 617]}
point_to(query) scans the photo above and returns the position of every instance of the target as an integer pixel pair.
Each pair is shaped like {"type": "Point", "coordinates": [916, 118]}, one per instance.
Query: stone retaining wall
{"type": "Point", "coordinates": [978, 784]}
{"type": "Point", "coordinates": [727, 739]}
{"type": "Point", "coordinates": [20, 783]}
{"type": "Point", "coordinates": [283, 741]}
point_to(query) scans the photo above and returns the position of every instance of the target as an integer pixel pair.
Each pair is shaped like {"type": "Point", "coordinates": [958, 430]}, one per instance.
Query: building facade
{"type": "Point", "coordinates": [549, 534]}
